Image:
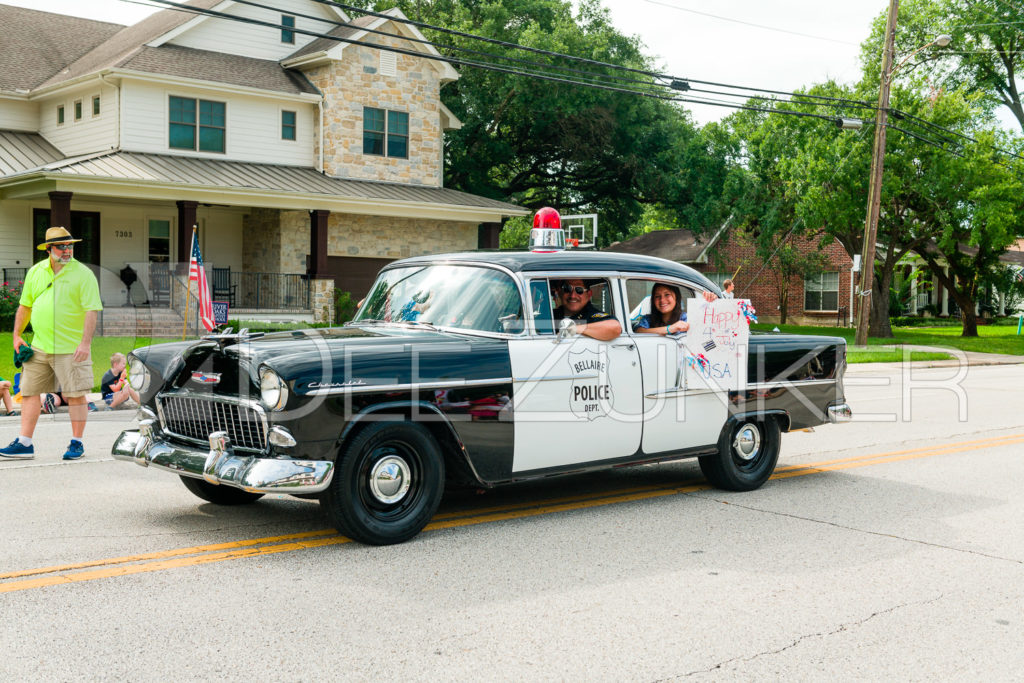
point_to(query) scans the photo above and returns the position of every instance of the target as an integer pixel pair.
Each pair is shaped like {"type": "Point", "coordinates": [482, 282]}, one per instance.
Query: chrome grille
{"type": "Point", "coordinates": [196, 418]}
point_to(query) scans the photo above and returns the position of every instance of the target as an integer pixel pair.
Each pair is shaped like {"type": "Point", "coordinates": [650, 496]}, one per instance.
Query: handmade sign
{"type": "Point", "coordinates": [715, 346]}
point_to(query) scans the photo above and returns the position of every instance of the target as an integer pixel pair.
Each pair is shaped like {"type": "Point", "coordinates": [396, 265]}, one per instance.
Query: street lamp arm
{"type": "Point", "coordinates": [941, 41]}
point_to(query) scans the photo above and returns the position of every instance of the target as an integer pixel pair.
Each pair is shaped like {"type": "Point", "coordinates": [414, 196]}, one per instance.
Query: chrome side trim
{"type": "Point", "coordinates": [556, 378]}
{"type": "Point", "coordinates": [786, 383]}
{"type": "Point", "coordinates": [412, 386]}
{"type": "Point", "coordinates": [839, 413]}
{"type": "Point", "coordinates": [247, 472]}
{"type": "Point", "coordinates": [683, 391]}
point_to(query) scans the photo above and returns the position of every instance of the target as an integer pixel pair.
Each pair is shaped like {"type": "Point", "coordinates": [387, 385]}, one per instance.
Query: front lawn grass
{"type": "Point", "coordinates": [990, 339]}
{"type": "Point", "coordinates": [891, 356]}
{"type": "Point", "coordinates": [102, 349]}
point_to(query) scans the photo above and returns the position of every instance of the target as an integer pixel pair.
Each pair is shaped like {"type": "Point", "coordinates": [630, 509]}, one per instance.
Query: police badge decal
{"type": "Point", "coordinates": [590, 396]}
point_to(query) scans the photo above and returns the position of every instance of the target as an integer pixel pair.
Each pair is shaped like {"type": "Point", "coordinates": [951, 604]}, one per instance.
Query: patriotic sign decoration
{"type": "Point", "coordinates": [196, 273]}
{"type": "Point", "coordinates": [716, 343]}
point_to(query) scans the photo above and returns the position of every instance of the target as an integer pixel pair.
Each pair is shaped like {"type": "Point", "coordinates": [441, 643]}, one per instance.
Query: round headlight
{"type": "Point", "coordinates": [138, 374]}
{"type": "Point", "coordinates": [273, 392]}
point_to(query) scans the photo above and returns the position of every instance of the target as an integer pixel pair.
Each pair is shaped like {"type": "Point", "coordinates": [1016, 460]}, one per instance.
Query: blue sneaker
{"type": "Point", "coordinates": [18, 451]}
{"type": "Point", "coordinates": [75, 450]}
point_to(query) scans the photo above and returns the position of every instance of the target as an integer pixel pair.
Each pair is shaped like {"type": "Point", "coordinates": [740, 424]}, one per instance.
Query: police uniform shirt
{"type": "Point", "coordinates": [588, 314]}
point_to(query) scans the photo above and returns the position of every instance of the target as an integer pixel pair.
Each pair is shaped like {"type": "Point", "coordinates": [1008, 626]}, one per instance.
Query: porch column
{"type": "Point", "coordinates": [60, 209]}
{"type": "Point", "coordinates": [186, 219]}
{"type": "Point", "coordinates": [487, 236]}
{"type": "Point", "coordinates": [317, 266]}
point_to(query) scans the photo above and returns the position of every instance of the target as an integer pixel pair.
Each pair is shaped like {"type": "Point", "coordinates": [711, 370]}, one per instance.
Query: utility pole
{"type": "Point", "coordinates": [867, 268]}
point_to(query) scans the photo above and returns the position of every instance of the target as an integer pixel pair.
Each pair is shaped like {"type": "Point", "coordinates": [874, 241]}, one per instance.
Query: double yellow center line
{"type": "Point", "coordinates": [255, 547]}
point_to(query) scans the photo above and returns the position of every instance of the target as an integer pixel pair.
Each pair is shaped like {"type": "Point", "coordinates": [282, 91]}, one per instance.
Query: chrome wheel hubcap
{"type": "Point", "coordinates": [390, 479]}
{"type": "Point", "coordinates": [747, 442]}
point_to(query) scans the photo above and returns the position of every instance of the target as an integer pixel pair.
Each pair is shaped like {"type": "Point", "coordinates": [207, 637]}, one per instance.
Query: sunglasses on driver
{"type": "Point", "coordinates": [568, 289]}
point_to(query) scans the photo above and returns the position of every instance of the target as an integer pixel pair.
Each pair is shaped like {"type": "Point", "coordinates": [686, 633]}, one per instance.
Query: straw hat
{"type": "Point", "coordinates": [57, 235]}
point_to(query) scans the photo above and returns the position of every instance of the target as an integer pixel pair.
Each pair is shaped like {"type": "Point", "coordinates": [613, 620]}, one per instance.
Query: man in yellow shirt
{"type": "Point", "coordinates": [61, 298]}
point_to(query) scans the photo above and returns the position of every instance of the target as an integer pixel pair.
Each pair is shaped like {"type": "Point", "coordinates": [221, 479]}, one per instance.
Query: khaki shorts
{"type": "Point", "coordinates": [45, 372]}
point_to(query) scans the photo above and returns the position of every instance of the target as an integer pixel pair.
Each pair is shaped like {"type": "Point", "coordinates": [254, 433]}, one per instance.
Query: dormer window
{"type": "Point", "coordinates": [288, 22]}
{"type": "Point", "coordinates": [205, 133]}
{"type": "Point", "coordinates": [96, 105]}
{"type": "Point", "coordinates": [78, 110]}
{"type": "Point", "coordinates": [60, 115]}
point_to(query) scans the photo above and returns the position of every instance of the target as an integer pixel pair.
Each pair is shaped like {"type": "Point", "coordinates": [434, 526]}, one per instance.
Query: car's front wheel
{"type": "Point", "coordinates": [387, 483]}
{"type": "Point", "coordinates": [219, 494]}
{"type": "Point", "coordinates": [747, 453]}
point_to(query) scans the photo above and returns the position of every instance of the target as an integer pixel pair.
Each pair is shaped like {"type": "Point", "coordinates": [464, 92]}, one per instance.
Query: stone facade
{"type": "Point", "coordinates": [355, 82]}
{"type": "Point", "coordinates": [278, 241]}
{"type": "Point", "coordinates": [322, 300]}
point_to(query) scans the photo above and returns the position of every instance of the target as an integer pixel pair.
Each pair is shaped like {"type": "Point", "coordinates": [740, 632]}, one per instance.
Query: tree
{"type": "Point", "coordinates": [543, 143]}
{"type": "Point", "coordinates": [985, 56]}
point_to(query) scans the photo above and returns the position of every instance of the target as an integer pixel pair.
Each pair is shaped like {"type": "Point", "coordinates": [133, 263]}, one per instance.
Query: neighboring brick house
{"type": "Point", "coordinates": [820, 300]}
{"type": "Point", "coordinates": [308, 160]}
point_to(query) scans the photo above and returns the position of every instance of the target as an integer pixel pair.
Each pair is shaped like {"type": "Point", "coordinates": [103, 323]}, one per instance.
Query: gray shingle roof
{"type": "Point", "coordinates": [220, 67]}
{"type": "Point", "coordinates": [207, 173]}
{"type": "Point", "coordinates": [23, 151]}
{"type": "Point", "coordinates": [675, 245]}
{"type": "Point", "coordinates": [37, 45]}
{"type": "Point", "coordinates": [324, 44]}
{"type": "Point", "coordinates": [127, 41]}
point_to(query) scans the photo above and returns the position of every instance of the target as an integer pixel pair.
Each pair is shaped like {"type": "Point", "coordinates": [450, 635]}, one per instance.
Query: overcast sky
{"type": "Point", "coordinates": [776, 44]}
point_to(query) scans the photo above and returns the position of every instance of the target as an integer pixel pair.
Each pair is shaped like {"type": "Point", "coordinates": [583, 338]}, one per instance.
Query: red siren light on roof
{"type": "Point", "coordinates": [547, 235]}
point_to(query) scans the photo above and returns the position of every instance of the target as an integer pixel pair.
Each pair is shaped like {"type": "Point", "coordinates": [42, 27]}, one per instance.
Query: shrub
{"type": "Point", "coordinates": [9, 297]}
{"type": "Point", "coordinates": [344, 306]}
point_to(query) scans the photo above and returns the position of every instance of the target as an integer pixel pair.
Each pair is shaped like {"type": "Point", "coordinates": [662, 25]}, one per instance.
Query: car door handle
{"type": "Point", "coordinates": [624, 345]}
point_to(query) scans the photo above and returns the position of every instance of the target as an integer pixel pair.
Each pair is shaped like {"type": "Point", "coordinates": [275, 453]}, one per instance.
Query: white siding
{"type": "Point", "coordinates": [88, 134]}
{"type": "Point", "coordinates": [250, 40]}
{"type": "Point", "coordinates": [19, 115]}
{"type": "Point", "coordinates": [124, 234]}
{"type": "Point", "coordinates": [253, 125]}
{"type": "Point", "coordinates": [15, 234]}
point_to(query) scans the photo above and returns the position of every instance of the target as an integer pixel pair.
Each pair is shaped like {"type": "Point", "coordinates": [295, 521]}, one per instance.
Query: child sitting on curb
{"type": "Point", "coordinates": [114, 386]}
{"type": "Point", "coordinates": [5, 394]}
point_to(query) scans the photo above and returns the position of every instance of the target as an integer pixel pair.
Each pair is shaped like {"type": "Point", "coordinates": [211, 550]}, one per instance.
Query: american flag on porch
{"type": "Point", "coordinates": [197, 273]}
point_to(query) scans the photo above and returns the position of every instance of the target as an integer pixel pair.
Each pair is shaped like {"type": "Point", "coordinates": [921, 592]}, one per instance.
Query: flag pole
{"type": "Point", "coordinates": [188, 282]}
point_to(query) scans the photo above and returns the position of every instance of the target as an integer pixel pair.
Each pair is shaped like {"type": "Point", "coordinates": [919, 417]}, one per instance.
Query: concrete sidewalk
{"type": "Point", "coordinates": [971, 358]}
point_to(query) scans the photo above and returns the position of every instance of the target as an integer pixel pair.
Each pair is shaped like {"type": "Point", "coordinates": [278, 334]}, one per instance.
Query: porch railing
{"type": "Point", "coordinates": [282, 291]}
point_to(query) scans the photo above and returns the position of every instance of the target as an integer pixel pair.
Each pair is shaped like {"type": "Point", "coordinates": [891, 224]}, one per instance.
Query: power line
{"type": "Point", "coordinates": [747, 23]}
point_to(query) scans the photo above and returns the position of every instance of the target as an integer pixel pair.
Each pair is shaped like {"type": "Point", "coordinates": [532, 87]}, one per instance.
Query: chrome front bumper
{"type": "Point", "coordinates": [220, 465]}
{"type": "Point", "coordinates": [840, 412]}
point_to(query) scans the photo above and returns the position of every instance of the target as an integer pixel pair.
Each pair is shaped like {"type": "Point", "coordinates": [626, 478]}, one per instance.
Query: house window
{"type": "Point", "coordinates": [184, 133]}
{"type": "Point", "coordinates": [60, 115]}
{"type": "Point", "coordinates": [821, 292]}
{"type": "Point", "coordinates": [717, 278]}
{"type": "Point", "coordinates": [385, 132]}
{"type": "Point", "coordinates": [96, 105]}
{"type": "Point", "coordinates": [287, 125]}
{"type": "Point", "coordinates": [286, 35]}
{"type": "Point", "coordinates": [78, 110]}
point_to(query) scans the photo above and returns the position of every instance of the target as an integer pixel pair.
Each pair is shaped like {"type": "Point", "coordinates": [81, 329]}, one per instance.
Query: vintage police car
{"type": "Point", "coordinates": [455, 371]}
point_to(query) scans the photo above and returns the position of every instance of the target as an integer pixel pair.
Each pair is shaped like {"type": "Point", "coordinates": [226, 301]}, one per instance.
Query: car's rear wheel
{"type": "Point", "coordinates": [747, 453]}
{"type": "Point", "coordinates": [387, 483]}
{"type": "Point", "coordinates": [218, 494]}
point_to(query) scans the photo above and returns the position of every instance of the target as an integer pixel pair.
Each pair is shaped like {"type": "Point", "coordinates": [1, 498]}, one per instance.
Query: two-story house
{"type": "Point", "coordinates": [306, 161]}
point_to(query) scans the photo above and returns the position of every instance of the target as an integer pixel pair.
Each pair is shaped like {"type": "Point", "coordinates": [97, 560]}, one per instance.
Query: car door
{"type": "Point", "coordinates": [577, 399]}
{"type": "Point", "coordinates": [681, 411]}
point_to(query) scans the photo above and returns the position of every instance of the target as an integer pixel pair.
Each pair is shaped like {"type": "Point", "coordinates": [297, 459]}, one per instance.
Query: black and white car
{"type": "Point", "coordinates": [455, 371]}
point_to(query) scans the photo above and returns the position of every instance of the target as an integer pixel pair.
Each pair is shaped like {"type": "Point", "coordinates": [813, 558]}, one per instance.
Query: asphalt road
{"type": "Point", "coordinates": [885, 548]}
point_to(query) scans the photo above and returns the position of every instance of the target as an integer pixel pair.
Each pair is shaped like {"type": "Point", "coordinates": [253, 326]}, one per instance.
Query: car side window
{"type": "Point", "coordinates": [540, 300]}
{"type": "Point", "coordinates": [638, 298]}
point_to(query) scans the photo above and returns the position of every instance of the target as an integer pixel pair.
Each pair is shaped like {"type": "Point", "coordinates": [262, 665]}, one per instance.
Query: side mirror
{"type": "Point", "coordinates": [566, 329]}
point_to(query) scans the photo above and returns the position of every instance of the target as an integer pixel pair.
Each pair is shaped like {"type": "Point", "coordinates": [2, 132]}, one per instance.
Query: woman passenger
{"type": "Point", "coordinates": [667, 315]}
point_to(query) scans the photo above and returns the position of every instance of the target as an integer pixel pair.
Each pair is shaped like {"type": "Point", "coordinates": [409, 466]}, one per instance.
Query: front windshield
{"type": "Point", "coordinates": [460, 297]}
